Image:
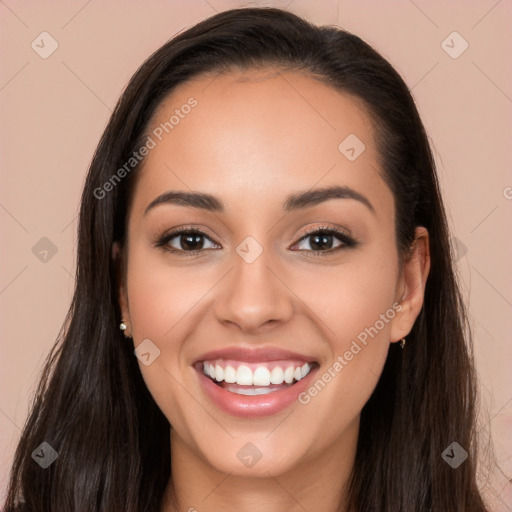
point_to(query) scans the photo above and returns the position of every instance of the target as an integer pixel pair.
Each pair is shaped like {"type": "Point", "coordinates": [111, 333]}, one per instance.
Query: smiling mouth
{"type": "Point", "coordinates": [245, 378]}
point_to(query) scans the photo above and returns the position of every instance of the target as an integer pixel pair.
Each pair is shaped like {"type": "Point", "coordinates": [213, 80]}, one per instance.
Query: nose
{"type": "Point", "coordinates": [254, 296]}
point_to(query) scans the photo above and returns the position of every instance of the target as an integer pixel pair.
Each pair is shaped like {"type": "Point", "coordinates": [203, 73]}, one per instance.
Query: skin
{"type": "Point", "coordinates": [253, 139]}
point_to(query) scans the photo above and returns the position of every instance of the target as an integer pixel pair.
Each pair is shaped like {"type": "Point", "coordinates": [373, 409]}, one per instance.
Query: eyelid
{"type": "Point", "coordinates": [326, 228]}
{"type": "Point", "coordinates": [184, 229]}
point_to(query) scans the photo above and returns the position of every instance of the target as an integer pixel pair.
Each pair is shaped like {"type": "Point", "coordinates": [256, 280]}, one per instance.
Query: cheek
{"type": "Point", "coordinates": [350, 297]}
{"type": "Point", "coordinates": [161, 296]}
{"type": "Point", "coordinates": [356, 306]}
{"type": "Point", "coordinates": [161, 301]}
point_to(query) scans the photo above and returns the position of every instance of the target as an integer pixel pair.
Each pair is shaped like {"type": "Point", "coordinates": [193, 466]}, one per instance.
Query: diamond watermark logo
{"type": "Point", "coordinates": [147, 352]}
{"type": "Point", "coordinates": [249, 250]}
{"type": "Point", "coordinates": [44, 45]}
{"type": "Point", "coordinates": [44, 250]}
{"type": "Point", "coordinates": [352, 147]}
{"type": "Point", "coordinates": [459, 249]}
{"type": "Point", "coordinates": [454, 455]}
{"type": "Point", "coordinates": [454, 45]}
{"type": "Point", "coordinates": [249, 455]}
{"type": "Point", "coordinates": [45, 455]}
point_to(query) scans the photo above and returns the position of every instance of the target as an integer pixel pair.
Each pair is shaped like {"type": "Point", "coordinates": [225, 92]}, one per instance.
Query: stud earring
{"type": "Point", "coordinates": [402, 343]}
{"type": "Point", "coordinates": [123, 325]}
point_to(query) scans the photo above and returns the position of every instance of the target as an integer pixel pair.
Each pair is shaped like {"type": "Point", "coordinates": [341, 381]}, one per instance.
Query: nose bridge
{"type": "Point", "coordinates": [253, 295]}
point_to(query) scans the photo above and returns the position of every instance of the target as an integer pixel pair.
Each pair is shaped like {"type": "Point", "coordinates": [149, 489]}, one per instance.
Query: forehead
{"type": "Point", "coordinates": [257, 133]}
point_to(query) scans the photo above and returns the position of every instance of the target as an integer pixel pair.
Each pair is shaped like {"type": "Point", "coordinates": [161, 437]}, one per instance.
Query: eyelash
{"type": "Point", "coordinates": [347, 240]}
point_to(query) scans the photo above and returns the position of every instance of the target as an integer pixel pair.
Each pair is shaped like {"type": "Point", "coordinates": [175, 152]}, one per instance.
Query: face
{"type": "Point", "coordinates": [283, 284]}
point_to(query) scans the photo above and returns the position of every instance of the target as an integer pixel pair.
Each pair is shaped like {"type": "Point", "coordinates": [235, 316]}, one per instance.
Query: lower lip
{"type": "Point", "coordinates": [254, 405]}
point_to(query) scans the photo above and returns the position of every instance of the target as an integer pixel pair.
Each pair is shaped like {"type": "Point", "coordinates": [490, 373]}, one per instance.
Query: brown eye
{"type": "Point", "coordinates": [190, 241]}
{"type": "Point", "coordinates": [325, 240]}
{"type": "Point", "coordinates": [321, 241]}
{"type": "Point", "coordinates": [186, 240]}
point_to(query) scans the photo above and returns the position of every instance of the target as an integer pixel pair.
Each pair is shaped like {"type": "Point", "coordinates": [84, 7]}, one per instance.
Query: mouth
{"type": "Point", "coordinates": [245, 388]}
{"type": "Point", "coordinates": [255, 378]}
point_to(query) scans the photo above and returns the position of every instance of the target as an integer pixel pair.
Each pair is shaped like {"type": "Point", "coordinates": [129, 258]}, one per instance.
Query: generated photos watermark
{"type": "Point", "coordinates": [343, 360]}
{"type": "Point", "coordinates": [151, 142]}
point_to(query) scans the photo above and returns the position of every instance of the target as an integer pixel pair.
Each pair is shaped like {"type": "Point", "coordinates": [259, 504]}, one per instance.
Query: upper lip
{"type": "Point", "coordinates": [253, 355]}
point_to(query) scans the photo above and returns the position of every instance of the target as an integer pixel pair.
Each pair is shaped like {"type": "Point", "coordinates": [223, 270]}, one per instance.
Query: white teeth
{"type": "Point", "coordinates": [230, 375]}
{"type": "Point", "coordinates": [244, 376]}
{"type": "Point", "coordinates": [277, 375]}
{"type": "Point", "coordinates": [288, 375]}
{"type": "Point", "coordinates": [219, 373]}
{"type": "Point", "coordinates": [261, 376]}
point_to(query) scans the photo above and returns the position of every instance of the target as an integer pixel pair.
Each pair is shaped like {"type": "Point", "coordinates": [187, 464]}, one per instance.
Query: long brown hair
{"type": "Point", "coordinates": [92, 405]}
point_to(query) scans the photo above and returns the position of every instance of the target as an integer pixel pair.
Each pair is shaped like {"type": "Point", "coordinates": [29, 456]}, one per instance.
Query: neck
{"type": "Point", "coordinates": [316, 483]}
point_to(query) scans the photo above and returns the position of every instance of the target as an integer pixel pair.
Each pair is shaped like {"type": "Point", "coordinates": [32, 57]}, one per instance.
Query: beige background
{"type": "Point", "coordinates": [53, 111]}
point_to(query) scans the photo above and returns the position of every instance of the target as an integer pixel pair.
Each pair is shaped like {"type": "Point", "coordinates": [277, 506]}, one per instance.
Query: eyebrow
{"type": "Point", "coordinates": [293, 202]}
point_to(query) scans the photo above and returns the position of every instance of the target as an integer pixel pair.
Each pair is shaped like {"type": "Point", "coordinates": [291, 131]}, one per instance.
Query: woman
{"type": "Point", "coordinates": [265, 313]}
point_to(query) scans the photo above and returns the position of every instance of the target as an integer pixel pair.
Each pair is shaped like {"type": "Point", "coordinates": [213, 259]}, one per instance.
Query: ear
{"type": "Point", "coordinates": [411, 287]}
{"type": "Point", "coordinates": [118, 257]}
